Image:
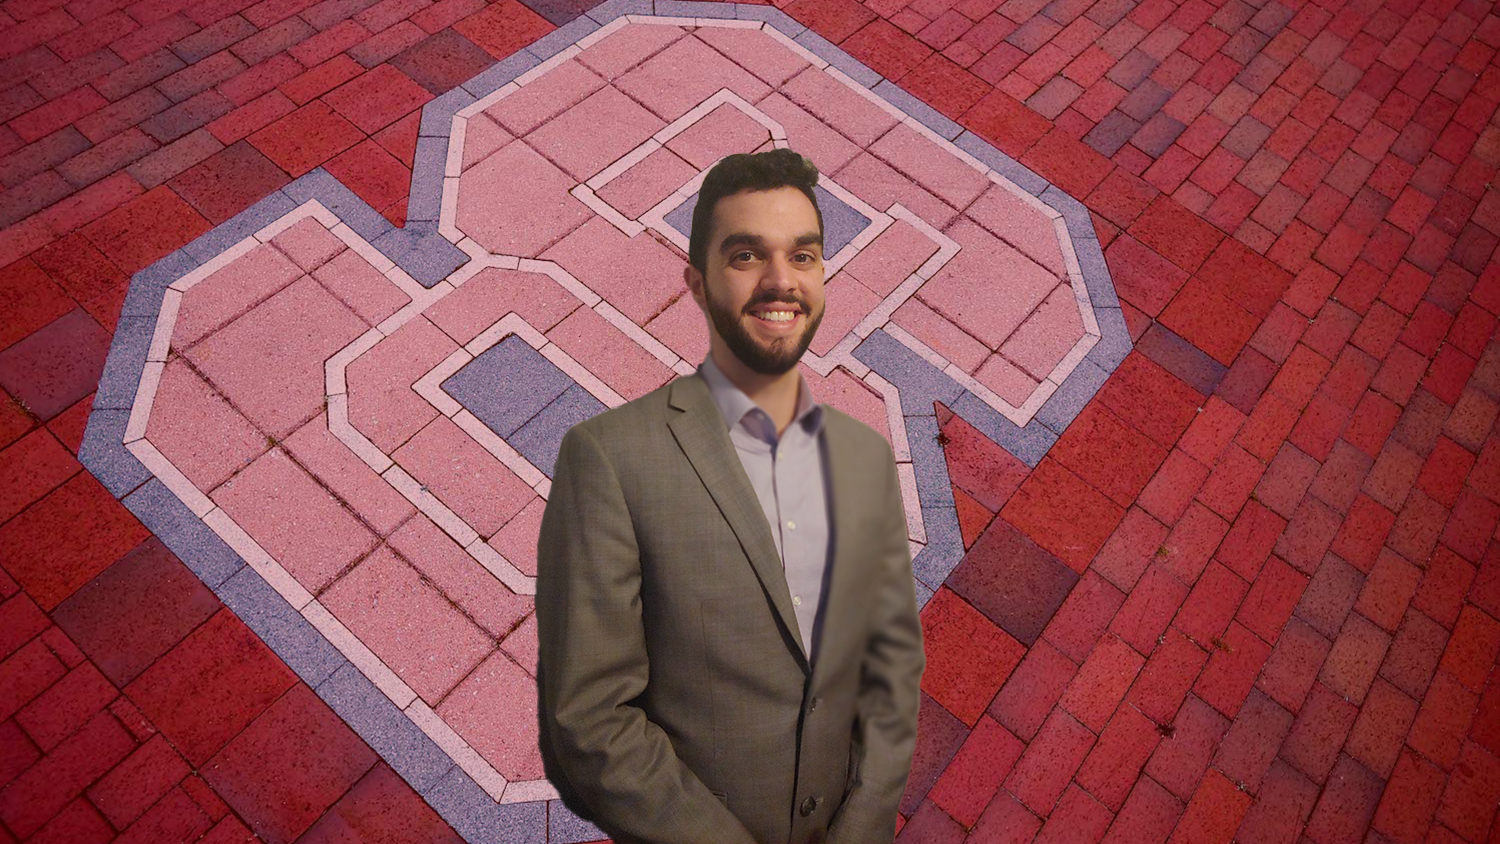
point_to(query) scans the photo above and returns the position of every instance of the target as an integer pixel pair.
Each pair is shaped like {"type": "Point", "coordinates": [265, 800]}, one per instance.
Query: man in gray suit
{"type": "Point", "coordinates": [730, 649]}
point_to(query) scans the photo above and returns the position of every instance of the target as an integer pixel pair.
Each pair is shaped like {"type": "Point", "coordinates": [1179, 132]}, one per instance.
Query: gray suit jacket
{"type": "Point", "coordinates": [675, 701]}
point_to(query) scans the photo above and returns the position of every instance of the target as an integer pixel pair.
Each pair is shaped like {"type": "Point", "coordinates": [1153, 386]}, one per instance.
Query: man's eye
{"type": "Point", "coordinates": [743, 256]}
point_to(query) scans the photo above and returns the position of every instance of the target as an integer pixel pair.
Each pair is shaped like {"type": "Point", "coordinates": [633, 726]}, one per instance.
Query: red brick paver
{"type": "Point", "coordinates": [1263, 568]}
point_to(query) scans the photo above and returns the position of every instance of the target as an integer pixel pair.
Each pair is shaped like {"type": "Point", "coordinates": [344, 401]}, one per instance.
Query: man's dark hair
{"type": "Point", "coordinates": [774, 168]}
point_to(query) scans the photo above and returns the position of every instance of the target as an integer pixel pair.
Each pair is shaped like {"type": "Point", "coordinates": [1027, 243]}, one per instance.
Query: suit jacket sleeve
{"type": "Point", "coordinates": [889, 688]}
{"type": "Point", "coordinates": [610, 763]}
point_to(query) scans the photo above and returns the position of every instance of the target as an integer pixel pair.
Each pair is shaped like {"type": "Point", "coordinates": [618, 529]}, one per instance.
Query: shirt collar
{"type": "Point", "coordinates": [734, 404]}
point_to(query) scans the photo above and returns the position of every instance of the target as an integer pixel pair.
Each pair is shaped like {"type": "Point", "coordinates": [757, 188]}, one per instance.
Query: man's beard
{"type": "Point", "coordinates": [775, 359]}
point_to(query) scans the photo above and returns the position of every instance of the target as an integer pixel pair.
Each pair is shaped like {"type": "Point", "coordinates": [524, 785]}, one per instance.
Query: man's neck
{"type": "Point", "coordinates": [775, 394]}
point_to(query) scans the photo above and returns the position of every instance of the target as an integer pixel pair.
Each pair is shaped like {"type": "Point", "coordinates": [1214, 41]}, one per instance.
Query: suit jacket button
{"type": "Point", "coordinates": [809, 806]}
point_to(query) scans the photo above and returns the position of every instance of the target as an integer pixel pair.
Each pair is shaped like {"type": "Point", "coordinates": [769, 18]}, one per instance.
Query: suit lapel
{"type": "Point", "coordinates": [846, 484]}
{"type": "Point", "coordinates": [701, 434]}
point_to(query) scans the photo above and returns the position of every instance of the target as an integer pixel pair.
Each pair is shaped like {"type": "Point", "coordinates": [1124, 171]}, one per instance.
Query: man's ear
{"type": "Point", "coordinates": [694, 281]}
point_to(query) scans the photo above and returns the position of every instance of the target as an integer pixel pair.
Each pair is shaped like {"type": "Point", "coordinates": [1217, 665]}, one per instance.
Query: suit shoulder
{"type": "Point", "coordinates": [860, 433]}
{"type": "Point", "coordinates": [628, 417]}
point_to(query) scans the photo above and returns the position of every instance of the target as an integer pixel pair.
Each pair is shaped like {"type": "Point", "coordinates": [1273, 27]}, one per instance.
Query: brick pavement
{"type": "Point", "coordinates": [1282, 509]}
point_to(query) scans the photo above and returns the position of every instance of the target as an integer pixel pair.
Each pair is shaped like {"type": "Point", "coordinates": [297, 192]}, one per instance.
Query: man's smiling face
{"type": "Point", "coordinates": [764, 286]}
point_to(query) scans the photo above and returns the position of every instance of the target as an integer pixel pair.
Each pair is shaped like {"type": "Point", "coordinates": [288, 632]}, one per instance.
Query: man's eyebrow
{"type": "Point", "coordinates": [747, 239]}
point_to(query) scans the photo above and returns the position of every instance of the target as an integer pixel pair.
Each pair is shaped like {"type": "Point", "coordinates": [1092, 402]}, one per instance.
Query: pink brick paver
{"type": "Point", "coordinates": [638, 189]}
{"type": "Point", "coordinates": [463, 475]}
{"type": "Point", "coordinates": [269, 362]}
{"type": "Point", "coordinates": [384, 601]}
{"type": "Point", "coordinates": [534, 212]}
{"type": "Point", "coordinates": [198, 430]}
{"type": "Point", "coordinates": [491, 710]}
{"type": "Point", "coordinates": [295, 519]}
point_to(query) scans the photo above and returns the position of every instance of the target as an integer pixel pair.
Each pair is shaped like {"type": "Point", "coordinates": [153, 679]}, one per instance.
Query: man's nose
{"type": "Point", "coordinates": [779, 274]}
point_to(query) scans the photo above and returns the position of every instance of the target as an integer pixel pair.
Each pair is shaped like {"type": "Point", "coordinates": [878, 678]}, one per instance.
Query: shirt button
{"type": "Point", "coordinates": [791, 525]}
{"type": "Point", "coordinates": [796, 601]}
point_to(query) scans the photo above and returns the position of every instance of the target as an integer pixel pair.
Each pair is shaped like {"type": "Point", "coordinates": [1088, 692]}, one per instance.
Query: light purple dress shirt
{"type": "Point", "coordinates": [788, 475]}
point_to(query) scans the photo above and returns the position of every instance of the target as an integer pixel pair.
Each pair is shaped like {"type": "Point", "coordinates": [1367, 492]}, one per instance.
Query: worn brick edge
{"type": "Point", "coordinates": [427, 256]}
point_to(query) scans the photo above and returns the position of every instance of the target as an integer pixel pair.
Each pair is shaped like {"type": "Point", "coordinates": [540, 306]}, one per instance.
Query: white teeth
{"type": "Point", "coordinates": [778, 316]}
